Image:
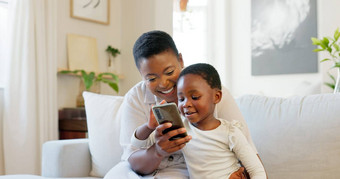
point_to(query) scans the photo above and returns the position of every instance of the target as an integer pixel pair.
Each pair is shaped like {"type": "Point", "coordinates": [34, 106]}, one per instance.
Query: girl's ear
{"type": "Point", "coordinates": [217, 96]}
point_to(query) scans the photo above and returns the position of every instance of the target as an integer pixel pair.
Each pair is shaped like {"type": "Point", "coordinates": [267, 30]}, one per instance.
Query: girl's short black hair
{"type": "Point", "coordinates": [152, 43]}
{"type": "Point", "coordinates": [206, 71]}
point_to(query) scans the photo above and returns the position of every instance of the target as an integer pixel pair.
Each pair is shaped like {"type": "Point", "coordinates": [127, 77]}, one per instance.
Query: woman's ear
{"type": "Point", "coordinates": [217, 96]}
{"type": "Point", "coordinates": [180, 60]}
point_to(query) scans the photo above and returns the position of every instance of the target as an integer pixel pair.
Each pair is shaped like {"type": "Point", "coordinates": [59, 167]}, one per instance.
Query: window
{"type": "Point", "coordinates": [3, 36]}
{"type": "Point", "coordinates": [190, 31]}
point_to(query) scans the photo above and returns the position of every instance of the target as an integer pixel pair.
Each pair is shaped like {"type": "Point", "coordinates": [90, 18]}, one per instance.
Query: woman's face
{"type": "Point", "coordinates": [160, 73]}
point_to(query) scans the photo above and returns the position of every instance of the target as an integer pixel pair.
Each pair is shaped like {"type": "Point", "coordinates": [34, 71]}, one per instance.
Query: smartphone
{"type": "Point", "coordinates": [168, 112]}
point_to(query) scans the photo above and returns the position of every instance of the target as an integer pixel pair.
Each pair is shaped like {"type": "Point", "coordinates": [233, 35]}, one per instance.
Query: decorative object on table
{"type": "Point", "coordinates": [331, 45]}
{"type": "Point", "coordinates": [183, 5]}
{"type": "Point", "coordinates": [97, 11]}
{"type": "Point", "coordinates": [82, 53]}
{"type": "Point", "coordinates": [90, 78]}
{"type": "Point", "coordinates": [112, 52]}
{"type": "Point", "coordinates": [280, 33]}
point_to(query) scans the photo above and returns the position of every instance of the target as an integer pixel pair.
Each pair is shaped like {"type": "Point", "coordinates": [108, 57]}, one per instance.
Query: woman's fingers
{"type": "Point", "coordinates": [164, 145]}
{"type": "Point", "coordinates": [152, 123]}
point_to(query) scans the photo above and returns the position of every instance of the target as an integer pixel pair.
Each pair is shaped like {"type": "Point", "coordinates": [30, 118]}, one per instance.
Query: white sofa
{"type": "Point", "coordinates": [296, 137]}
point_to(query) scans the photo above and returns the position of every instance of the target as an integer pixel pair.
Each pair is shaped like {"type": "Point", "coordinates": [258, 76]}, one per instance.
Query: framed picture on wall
{"type": "Point", "coordinates": [97, 11]}
{"type": "Point", "coordinates": [281, 33]}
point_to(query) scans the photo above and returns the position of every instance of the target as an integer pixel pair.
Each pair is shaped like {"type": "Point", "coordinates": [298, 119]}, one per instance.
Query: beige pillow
{"type": "Point", "coordinates": [103, 131]}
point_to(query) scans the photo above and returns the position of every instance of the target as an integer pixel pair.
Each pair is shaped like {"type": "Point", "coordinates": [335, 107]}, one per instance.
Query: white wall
{"type": "Point", "coordinates": [105, 35]}
{"type": "Point", "coordinates": [274, 85]}
{"type": "Point", "coordinates": [2, 169]}
{"type": "Point", "coordinates": [128, 20]}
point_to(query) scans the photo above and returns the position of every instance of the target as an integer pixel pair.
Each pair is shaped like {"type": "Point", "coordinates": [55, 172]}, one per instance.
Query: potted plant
{"type": "Point", "coordinates": [90, 78]}
{"type": "Point", "coordinates": [330, 45]}
{"type": "Point", "coordinates": [112, 52]}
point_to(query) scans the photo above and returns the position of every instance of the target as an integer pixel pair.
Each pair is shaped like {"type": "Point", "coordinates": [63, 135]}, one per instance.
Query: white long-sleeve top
{"type": "Point", "coordinates": [215, 153]}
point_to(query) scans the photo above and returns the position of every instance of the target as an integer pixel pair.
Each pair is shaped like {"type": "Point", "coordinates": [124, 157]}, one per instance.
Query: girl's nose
{"type": "Point", "coordinates": [187, 103]}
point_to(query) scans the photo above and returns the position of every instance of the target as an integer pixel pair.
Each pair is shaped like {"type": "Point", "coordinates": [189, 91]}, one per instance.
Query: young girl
{"type": "Point", "coordinates": [217, 145]}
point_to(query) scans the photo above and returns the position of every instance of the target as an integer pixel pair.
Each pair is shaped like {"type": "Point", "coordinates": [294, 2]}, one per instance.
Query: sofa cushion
{"type": "Point", "coordinates": [296, 137]}
{"type": "Point", "coordinates": [103, 131]}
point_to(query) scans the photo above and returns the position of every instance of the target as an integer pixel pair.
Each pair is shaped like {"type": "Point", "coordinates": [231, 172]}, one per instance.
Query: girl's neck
{"type": "Point", "coordinates": [207, 124]}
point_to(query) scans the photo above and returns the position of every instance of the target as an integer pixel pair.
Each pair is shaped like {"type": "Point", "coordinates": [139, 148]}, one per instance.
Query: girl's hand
{"type": "Point", "coordinates": [152, 123]}
{"type": "Point", "coordinates": [164, 146]}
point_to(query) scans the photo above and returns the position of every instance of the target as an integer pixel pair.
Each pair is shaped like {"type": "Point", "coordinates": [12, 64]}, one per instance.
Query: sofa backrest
{"type": "Point", "coordinates": [296, 137]}
{"type": "Point", "coordinates": [103, 131]}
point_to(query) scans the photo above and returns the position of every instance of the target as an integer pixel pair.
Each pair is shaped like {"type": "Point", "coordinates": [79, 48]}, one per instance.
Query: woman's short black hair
{"type": "Point", "coordinates": [152, 43]}
{"type": "Point", "coordinates": [206, 71]}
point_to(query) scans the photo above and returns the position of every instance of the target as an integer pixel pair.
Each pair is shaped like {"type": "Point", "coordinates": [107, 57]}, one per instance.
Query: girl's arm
{"type": "Point", "coordinates": [246, 154]}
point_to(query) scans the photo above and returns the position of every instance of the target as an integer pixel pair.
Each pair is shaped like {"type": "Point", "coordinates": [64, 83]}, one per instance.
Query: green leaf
{"type": "Point", "coordinates": [332, 77]}
{"type": "Point", "coordinates": [88, 79]}
{"type": "Point", "coordinates": [330, 85]}
{"type": "Point", "coordinates": [315, 41]}
{"type": "Point", "coordinates": [114, 86]}
{"type": "Point", "coordinates": [69, 71]}
{"type": "Point", "coordinates": [65, 71]}
{"type": "Point", "coordinates": [114, 76]}
{"type": "Point", "coordinates": [325, 42]}
{"type": "Point", "coordinates": [113, 51]}
{"type": "Point", "coordinates": [326, 59]}
{"type": "Point", "coordinates": [318, 50]}
{"type": "Point", "coordinates": [329, 49]}
{"type": "Point", "coordinates": [336, 46]}
{"type": "Point", "coordinates": [336, 34]}
{"type": "Point", "coordinates": [336, 65]}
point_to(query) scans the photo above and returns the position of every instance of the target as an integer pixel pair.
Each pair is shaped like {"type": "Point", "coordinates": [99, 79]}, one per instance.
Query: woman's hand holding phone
{"type": "Point", "coordinates": [164, 146]}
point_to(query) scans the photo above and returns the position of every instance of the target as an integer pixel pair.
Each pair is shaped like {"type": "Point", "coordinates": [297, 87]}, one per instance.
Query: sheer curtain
{"type": "Point", "coordinates": [30, 105]}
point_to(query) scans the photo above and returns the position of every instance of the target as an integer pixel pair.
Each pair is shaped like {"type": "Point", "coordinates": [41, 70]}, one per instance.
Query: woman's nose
{"type": "Point", "coordinates": [164, 82]}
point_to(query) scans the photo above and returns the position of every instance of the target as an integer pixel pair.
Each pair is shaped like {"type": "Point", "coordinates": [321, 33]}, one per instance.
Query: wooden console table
{"type": "Point", "coordinates": [72, 123]}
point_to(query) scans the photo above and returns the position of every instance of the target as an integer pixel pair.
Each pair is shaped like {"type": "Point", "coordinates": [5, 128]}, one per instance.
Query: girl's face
{"type": "Point", "coordinates": [160, 73]}
{"type": "Point", "coordinates": [196, 100]}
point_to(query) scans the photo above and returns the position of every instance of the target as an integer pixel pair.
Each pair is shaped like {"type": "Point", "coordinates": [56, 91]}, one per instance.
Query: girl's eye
{"type": "Point", "coordinates": [180, 99]}
{"type": "Point", "coordinates": [195, 97]}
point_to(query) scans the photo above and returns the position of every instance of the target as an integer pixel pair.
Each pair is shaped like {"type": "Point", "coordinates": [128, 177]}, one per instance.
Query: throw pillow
{"type": "Point", "coordinates": [103, 131]}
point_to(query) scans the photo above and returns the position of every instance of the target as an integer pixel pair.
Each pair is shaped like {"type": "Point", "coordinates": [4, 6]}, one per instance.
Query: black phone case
{"type": "Point", "coordinates": [169, 113]}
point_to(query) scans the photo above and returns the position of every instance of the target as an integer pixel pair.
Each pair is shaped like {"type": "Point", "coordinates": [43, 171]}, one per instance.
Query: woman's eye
{"type": "Point", "coordinates": [170, 73]}
{"type": "Point", "coordinates": [151, 79]}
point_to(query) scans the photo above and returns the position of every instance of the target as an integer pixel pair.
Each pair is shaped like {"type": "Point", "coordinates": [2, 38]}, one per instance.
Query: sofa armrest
{"type": "Point", "coordinates": [66, 158]}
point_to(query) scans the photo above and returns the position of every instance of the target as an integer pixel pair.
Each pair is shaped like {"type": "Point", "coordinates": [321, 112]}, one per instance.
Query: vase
{"type": "Point", "coordinates": [337, 83]}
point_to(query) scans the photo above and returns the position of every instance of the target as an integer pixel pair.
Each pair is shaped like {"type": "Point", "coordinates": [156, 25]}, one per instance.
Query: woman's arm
{"type": "Point", "coordinates": [134, 112]}
{"type": "Point", "coordinates": [145, 161]}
